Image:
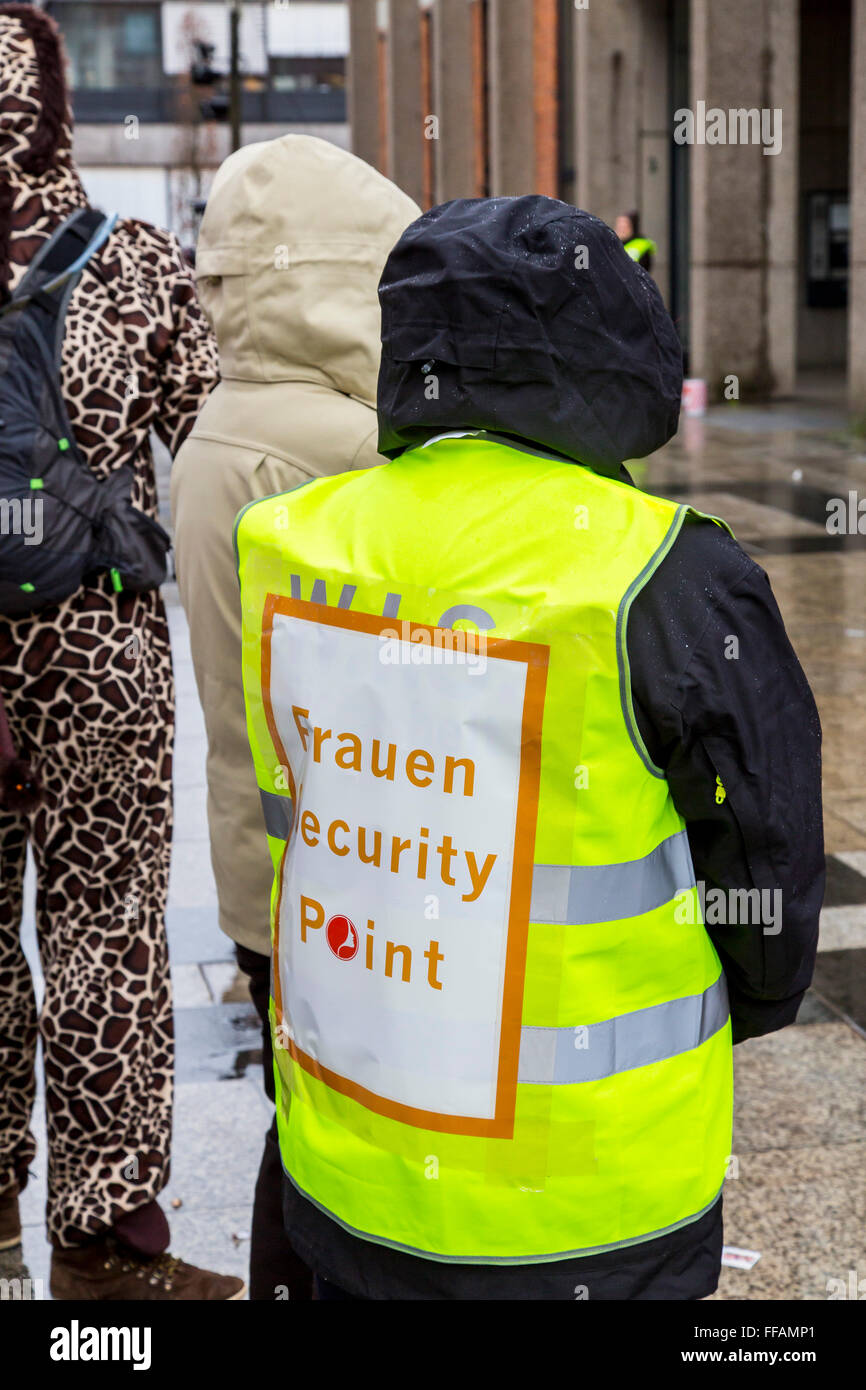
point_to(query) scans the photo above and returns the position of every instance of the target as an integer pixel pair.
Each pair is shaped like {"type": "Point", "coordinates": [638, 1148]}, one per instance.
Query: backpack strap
{"type": "Point", "coordinates": [64, 243]}
{"type": "Point", "coordinates": [56, 269]}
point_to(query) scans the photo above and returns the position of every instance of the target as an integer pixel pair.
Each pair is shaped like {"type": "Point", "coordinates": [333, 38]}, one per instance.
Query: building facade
{"type": "Point", "coordinates": [144, 146]}
{"type": "Point", "coordinates": [737, 131]}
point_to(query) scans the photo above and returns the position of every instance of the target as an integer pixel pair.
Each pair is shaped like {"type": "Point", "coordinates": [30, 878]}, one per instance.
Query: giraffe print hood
{"type": "Point", "coordinates": [39, 183]}
{"type": "Point", "coordinates": [35, 123]}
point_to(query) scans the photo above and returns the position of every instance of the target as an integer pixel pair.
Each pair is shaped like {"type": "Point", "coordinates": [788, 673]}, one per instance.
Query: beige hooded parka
{"type": "Point", "coordinates": [293, 242]}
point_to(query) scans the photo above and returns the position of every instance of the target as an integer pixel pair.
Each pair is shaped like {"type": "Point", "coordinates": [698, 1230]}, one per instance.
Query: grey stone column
{"type": "Point", "coordinates": [454, 100]}
{"type": "Point", "coordinates": [363, 85]}
{"type": "Point", "coordinates": [511, 109]}
{"type": "Point", "coordinates": [653, 165]}
{"type": "Point", "coordinates": [608, 107]}
{"type": "Point", "coordinates": [405, 116]}
{"type": "Point", "coordinates": [784, 197]}
{"type": "Point", "coordinates": [745, 54]}
{"type": "Point", "coordinates": [622, 128]}
{"type": "Point", "coordinates": [857, 185]}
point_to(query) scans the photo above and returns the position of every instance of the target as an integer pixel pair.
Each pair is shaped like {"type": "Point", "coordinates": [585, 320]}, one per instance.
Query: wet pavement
{"type": "Point", "coordinates": [796, 1191]}
{"type": "Point", "coordinates": [798, 1196]}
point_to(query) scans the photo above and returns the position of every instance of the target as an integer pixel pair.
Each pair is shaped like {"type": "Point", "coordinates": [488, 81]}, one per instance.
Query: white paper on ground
{"type": "Point", "coordinates": [736, 1258]}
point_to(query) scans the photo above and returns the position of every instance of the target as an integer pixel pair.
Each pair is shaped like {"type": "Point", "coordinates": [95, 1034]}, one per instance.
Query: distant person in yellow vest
{"type": "Point", "coordinates": [640, 248]}
{"type": "Point", "coordinates": [502, 1028]}
{"type": "Point", "coordinates": [293, 240]}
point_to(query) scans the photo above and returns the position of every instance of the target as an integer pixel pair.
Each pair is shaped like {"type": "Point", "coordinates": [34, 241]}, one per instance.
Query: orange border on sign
{"type": "Point", "coordinates": [535, 657]}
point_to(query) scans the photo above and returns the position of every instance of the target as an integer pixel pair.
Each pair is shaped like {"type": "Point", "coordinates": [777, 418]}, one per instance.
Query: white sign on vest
{"type": "Point", "coordinates": [405, 886]}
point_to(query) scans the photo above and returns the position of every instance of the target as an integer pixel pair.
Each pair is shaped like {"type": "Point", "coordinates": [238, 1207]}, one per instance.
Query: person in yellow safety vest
{"type": "Point", "coordinates": [640, 248]}
{"type": "Point", "coordinates": [506, 768]}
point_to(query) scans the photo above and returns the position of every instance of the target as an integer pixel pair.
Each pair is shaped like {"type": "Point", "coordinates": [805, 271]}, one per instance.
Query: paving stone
{"type": "Point", "coordinates": [800, 1087]}
{"type": "Point", "coordinates": [194, 935]}
{"type": "Point", "coordinates": [226, 982]}
{"type": "Point", "coordinates": [189, 987]}
{"type": "Point", "coordinates": [220, 1043]}
{"type": "Point", "coordinates": [804, 1209]}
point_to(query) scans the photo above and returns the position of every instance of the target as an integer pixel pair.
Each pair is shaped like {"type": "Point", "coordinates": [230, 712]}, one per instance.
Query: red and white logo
{"type": "Point", "coordinates": [342, 937]}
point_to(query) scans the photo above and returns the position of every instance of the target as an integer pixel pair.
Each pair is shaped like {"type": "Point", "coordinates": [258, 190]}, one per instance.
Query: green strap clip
{"type": "Point", "coordinates": [116, 580]}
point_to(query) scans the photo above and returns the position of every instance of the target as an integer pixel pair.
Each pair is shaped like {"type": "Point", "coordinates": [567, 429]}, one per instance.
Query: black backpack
{"type": "Point", "coordinates": [59, 524]}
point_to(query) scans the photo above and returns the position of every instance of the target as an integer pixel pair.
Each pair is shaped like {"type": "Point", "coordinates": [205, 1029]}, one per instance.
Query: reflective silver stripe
{"type": "Point", "coordinates": [278, 814]}
{"type": "Point", "coordinates": [565, 1056]}
{"type": "Point", "coordinates": [581, 895]}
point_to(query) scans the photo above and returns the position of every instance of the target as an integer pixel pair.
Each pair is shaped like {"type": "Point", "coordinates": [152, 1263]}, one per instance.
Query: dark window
{"type": "Point", "coordinates": [307, 74]}
{"type": "Point", "coordinates": [111, 46]}
{"type": "Point", "coordinates": [305, 89]}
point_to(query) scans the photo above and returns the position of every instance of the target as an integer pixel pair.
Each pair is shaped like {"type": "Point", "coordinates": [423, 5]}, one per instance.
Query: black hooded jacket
{"type": "Point", "coordinates": [526, 317]}
{"type": "Point", "coordinates": [535, 323]}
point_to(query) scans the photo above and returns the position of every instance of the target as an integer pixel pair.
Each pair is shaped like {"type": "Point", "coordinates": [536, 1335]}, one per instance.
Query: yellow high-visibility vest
{"type": "Point", "coordinates": [501, 1029]}
{"type": "Point", "coordinates": [640, 246]}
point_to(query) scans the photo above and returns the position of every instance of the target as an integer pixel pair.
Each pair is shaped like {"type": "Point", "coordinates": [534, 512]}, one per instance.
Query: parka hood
{"type": "Point", "coordinates": [35, 119]}
{"type": "Point", "coordinates": [525, 316]}
{"type": "Point", "coordinates": [39, 183]}
{"type": "Point", "coordinates": [292, 244]}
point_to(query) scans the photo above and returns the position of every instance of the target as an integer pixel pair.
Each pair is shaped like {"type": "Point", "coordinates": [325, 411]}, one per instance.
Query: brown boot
{"type": "Point", "coordinates": [104, 1271]}
{"type": "Point", "coordinates": [10, 1221]}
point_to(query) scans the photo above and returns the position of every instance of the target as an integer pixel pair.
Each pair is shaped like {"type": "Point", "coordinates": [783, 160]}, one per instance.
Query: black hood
{"type": "Point", "coordinates": [525, 316]}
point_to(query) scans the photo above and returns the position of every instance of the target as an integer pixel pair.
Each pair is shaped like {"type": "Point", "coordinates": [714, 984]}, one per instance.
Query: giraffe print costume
{"type": "Point", "coordinates": [87, 686]}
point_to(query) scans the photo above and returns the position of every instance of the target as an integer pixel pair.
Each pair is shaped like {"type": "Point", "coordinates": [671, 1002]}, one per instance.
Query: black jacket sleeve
{"type": "Point", "coordinates": [720, 698]}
